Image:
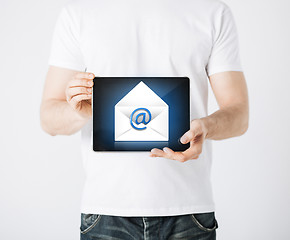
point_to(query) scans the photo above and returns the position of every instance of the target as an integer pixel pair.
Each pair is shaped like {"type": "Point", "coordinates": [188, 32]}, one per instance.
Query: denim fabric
{"type": "Point", "coordinates": [201, 226]}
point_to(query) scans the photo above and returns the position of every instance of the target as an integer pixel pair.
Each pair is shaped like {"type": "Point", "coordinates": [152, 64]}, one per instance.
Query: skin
{"type": "Point", "coordinates": [66, 108]}
{"type": "Point", "coordinates": [230, 120]}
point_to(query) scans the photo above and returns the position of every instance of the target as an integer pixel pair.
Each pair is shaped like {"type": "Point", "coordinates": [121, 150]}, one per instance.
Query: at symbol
{"type": "Point", "coordinates": [142, 116]}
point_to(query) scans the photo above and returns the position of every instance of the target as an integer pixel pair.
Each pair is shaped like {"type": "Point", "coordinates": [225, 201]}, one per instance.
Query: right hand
{"type": "Point", "coordinates": [79, 93]}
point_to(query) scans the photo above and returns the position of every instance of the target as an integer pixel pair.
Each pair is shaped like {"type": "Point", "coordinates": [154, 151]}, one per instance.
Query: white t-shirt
{"type": "Point", "coordinates": [194, 38]}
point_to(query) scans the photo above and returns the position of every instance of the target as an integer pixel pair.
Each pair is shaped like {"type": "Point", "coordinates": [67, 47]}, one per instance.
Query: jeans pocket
{"type": "Point", "coordinates": [205, 221]}
{"type": "Point", "coordinates": [88, 222]}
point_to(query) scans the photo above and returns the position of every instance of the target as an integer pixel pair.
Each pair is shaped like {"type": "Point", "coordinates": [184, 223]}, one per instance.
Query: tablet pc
{"type": "Point", "coordinates": [140, 113]}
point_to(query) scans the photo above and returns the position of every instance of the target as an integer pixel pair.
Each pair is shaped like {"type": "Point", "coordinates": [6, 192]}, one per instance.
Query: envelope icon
{"type": "Point", "coordinates": [141, 115]}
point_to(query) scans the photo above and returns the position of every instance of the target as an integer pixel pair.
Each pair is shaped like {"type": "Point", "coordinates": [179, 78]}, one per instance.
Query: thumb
{"type": "Point", "coordinates": [187, 137]}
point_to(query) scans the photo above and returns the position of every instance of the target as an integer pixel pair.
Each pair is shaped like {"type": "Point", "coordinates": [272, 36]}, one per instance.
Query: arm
{"type": "Point", "coordinates": [66, 101]}
{"type": "Point", "coordinates": [230, 120]}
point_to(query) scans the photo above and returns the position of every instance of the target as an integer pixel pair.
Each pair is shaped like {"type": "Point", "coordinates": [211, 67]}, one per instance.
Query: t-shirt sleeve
{"type": "Point", "coordinates": [225, 54]}
{"type": "Point", "coordinates": [65, 47]}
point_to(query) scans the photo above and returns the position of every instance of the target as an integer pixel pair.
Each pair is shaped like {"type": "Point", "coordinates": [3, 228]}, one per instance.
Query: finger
{"type": "Point", "coordinates": [194, 151]}
{"type": "Point", "coordinates": [81, 82]}
{"type": "Point", "coordinates": [179, 156]}
{"type": "Point", "coordinates": [87, 75]}
{"type": "Point", "coordinates": [71, 92]}
{"type": "Point", "coordinates": [191, 134]}
{"type": "Point", "coordinates": [167, 153]}
{"type": "Point", "coordinates": [157, 152]}
{"type": "Point", "coordinates": [187, 137]}
{"type": "Point", "coordinates": [152, 155]}
{"type": "Point", "coordinates": [78, 98]}
{"type": "Point", "coordinates": [174, 155]}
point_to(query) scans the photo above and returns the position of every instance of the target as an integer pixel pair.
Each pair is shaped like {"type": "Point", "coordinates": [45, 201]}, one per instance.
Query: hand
{"type": "Point", "coordinates": [195, 136]}
{"type": "Point", "coordinates": [79, 94]}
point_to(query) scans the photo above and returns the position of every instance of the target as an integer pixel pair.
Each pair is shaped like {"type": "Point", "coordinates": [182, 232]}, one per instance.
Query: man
{"type": "Point", "coordinates": [140, 195]}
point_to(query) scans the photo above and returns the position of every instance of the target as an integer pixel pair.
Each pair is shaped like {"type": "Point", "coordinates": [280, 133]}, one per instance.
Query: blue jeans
{"type": "Point", "coordinates": [201, 226]}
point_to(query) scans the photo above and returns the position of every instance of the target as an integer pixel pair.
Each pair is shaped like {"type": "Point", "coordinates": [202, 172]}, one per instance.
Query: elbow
{"type": "Point", "coordinates": [46, 128]}
{"type": "Point", "coordinates": [51, 133]}
{"type": "Point", "coordinates": [245, 126]}
{"type": "Point", "coordinates": [244, 120]}
{"type": "Point", "coordinates": [44, 123]}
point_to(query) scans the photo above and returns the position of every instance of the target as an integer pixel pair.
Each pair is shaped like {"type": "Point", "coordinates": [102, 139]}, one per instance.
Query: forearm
{"type": "Point", "coordinates": [227, 122]}
{"type": "Point", "coordinates": [59, 118]}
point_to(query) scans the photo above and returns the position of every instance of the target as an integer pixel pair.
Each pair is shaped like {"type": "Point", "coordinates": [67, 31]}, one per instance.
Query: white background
{"type": "Point", "coordinates": [41, 177]}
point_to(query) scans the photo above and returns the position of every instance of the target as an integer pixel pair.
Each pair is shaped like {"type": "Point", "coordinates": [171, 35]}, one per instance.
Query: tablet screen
{"type": "Point", "coordinates": [140, 113]}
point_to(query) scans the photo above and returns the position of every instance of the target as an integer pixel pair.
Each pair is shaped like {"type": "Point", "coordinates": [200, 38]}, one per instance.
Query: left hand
{"type": "Point", "coordinates": [195, 136]}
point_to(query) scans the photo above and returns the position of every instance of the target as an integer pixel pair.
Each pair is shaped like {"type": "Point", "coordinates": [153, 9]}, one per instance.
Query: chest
{"type": "Point", "coordinates": [122, 35]}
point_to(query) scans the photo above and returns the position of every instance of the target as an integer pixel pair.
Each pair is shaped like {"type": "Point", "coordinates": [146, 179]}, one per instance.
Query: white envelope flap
{"type": "Point", "coordinates": [141, 94]}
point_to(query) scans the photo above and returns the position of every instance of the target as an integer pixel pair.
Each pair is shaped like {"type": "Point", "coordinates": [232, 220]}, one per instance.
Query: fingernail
{"type": "Point", "coordinates": [89, 90]}
{"type": "Point", "coordinates": [165, 150]}
{"type": "Point", "coordinates": [91, 76]}
{"type": "Point", "coordinates": [182, 139]}
{"type": "Point", "coordinates": [153, 151]}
